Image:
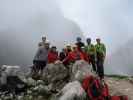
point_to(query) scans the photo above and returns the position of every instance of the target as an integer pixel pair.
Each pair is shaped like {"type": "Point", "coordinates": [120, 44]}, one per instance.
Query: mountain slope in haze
{"type": "Point", "coordinates": [21, 29]}
{"type": "Point", "coordinates": [59, 30]}
{"type": "Point", "coordinates": [121, 61]}
{"type": "Point", "coordinates": [20, 49]}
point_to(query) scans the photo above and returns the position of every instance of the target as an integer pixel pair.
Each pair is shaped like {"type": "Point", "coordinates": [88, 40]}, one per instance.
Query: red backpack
{"type": "Point", "coordinates": [119, 98]}
{"type": "Point", "coordinates": [95, 89]}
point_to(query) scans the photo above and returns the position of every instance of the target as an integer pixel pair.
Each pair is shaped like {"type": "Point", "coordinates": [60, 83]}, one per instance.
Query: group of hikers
{"type": "Point", "coordinates": [93, 54]}
{"type": "Point", "coordinates": [84, 80]}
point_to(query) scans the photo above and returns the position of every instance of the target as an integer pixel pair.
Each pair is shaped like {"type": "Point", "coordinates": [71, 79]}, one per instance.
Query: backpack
{"type": "Point", "coordinates": [95, 89]}
{"type": "Point", "coordinates": [119, 98]}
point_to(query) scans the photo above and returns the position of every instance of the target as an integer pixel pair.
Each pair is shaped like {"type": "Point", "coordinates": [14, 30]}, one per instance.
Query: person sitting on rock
{"type": "Point", "coordinates": [52, 55]}
{"type": "Point", "coordinates": [62, 55]}
{"type": "Point", "coordinates": [73, 56]}
{"type": "Point", "coordinates": [68, 49]}
{"type": "Point", "coordinates": [86, 57]}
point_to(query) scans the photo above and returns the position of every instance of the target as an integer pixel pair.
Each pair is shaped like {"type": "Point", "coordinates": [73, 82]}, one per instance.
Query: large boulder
{"type": "Point", "coordinates": [55, 75]}
{"type": "Point", "coordinates": [73, 91]}
{"type": "Point", "coordinates": [12, 79]}
{"type": "Point", "coordinates": [6, 71]}
{"type": "Point", "coordinates": [80, 69]}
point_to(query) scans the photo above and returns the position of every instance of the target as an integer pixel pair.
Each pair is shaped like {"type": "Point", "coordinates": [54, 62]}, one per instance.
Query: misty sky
{"type": "Point", "coordinates": [109, 19]}
{"type": "Point", "coordinates": [23, 22]}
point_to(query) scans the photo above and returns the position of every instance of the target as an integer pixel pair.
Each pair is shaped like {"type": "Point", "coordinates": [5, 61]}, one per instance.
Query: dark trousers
{"type": "Point", "coordinates": [93, 62]}
{"type": "Point", "coordinates": [39, 65]}
{"type": "Point", "coordinates": [100, 68]}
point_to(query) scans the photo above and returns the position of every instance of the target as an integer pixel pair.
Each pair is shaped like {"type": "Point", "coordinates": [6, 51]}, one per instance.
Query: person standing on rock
{"type": "Point", "coordinates": [68, 49]}
{"type": "Point", "coordinates": [41, 57]}
{"type": "Point", "coordinates": [79, 43]}
{"type": "Point", "coordinates": [43, 40]}
{"type": "Point", "coordinates": [100, 55]}
{"type": "Point", "coordinates": [40, 44]}
{"type": "Point", "coordinates": [91, 52]}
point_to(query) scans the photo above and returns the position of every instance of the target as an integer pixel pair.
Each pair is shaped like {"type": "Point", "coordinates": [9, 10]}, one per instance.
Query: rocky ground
{"type": "Point", "coordinates": [50, 86]}
{"type": "Point", "coordinates": [120, 86]}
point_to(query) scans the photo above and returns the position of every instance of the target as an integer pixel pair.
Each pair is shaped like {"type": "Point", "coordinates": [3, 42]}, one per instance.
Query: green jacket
{"type": "Point", "coordinates": [100, 48]}
{"type": "Point", "coordinates": [90, 49]}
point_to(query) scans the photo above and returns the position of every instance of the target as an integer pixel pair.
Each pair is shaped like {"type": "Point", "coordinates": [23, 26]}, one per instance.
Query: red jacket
{"type": "Point", "coordinates": [73, 56]}
{"type": "Point", "coordinates": [52, 57]}
{"type": "Point", "coordinates": [86, 57]}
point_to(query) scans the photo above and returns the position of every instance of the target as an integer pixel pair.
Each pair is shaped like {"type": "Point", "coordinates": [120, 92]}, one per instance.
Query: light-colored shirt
{"type": "Point", "coordinates": [41, 54]}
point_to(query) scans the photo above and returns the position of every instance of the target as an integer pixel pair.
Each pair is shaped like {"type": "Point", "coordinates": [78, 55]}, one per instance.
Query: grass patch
{"type": "Point", "coordinates": [118, 76]}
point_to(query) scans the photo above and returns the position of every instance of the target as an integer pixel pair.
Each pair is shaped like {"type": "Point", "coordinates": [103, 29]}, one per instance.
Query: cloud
{"type": "Point", "coordinates": [22, 23]}
{"type": "Point", "coordinates": [112, 21]}
{"type": "Point", "coordinates": [109, 19]}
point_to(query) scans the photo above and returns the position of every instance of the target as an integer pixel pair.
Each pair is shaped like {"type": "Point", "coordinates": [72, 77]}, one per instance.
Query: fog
{"type": "Point", "coordinates": [111, 20]}
{"type": "Point", "coordinates": [23, 22]}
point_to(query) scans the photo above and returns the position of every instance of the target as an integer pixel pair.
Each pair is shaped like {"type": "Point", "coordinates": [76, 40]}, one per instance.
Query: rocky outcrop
{"type": "Point", "coordinates": [12, 71]}
{"type": "Point", "coordinates": [55, 75]}
{"type": "Point", "coordinates": [80, 69]}
{"type": "Point", "coordinates": [54, 86]}
{"type": "Point", "coordinates": [73, 91]}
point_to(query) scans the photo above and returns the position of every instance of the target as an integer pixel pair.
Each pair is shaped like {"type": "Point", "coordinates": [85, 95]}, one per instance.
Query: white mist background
{"type": "Point", "coordinates": [23, 22]}
{"type": "Point", "coordinates": [110, 20]}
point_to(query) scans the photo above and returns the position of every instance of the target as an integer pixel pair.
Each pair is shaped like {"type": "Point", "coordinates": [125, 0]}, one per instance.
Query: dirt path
{"type": "Point", "coordinates": [120, 87]}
